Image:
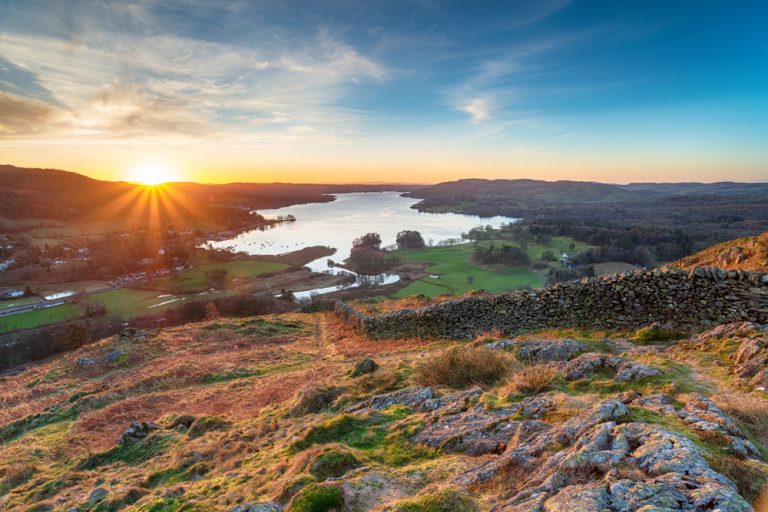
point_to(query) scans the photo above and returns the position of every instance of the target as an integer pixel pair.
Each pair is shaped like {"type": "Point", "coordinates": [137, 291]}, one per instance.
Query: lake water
{"type": "Point", "coordinates": [336, 224]}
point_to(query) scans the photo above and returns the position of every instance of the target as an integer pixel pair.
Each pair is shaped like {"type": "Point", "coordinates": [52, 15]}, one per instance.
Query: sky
{"type": "Point", "coordinates": [417, 91]}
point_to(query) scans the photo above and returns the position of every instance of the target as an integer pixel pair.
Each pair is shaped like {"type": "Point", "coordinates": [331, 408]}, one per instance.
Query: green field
{"type": "Point", "coordinates": [452, 264]}
{"type": "Point", "coordinates": [453, 267]}
{"type": "Point", "coordinates": [127, 303]}
{"type": "Point", "coordinates": [21, 301]}
{"type": "Point", "coordinates": [40, 317]}
{"type": "Point", "coordinates": [194, 280]}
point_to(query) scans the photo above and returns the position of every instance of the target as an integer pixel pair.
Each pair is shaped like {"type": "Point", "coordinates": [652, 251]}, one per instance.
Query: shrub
{"type": "Point", "coordinates": [317, 498]}
{"type": "Point", "coordinates": [530, 380]}
{"type": "Point", "coordinates": [333, 462]}
{"type": "Point", "coordinates": [448, 500]}
{"type": "Point", "coordinates": [313, 399]}
{"type": "Point", "coordinates": [462, 366]}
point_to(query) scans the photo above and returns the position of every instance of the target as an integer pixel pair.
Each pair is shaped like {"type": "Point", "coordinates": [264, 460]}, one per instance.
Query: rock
{"type": "Point", "coordinates": [625, 370]}
{"type": "Point", "coordinates": [87, 361]}
{"type": "Point", "coordinates": [97, 495]}
{"type": "Point", "coordinates": [542, 351]}
{"type": "Point", "coordinates": [268, 506]}
{"type": "Point", "coordinates": [113, 355]}
{"type": "Point", "coordinates": [137, 431]}
{"type": "Point", "coordinates": [703, 416]}
{"type": "Point", "coordinates": [364, 367]}
{"type": "Point", "coordinates": [477, 431]}
{"type": "Point", "coordinates": [659, 402]}
{"type": "Point", "coordinates": [414, 398]}
{"type": "Point", "coordinates": [579, 497]}
{"type": "Point", "coordinates": [730, 330]}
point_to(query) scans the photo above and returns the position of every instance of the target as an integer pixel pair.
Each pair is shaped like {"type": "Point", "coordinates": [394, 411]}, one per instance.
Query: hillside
{"type": "Point", "coordinates": [298, 412]}
{"type": "Point", "coordinates": [63, 195]}
{"type": "Point", "coordinates": [748, 253]}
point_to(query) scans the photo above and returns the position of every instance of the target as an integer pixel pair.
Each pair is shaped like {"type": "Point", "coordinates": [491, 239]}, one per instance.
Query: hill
{"type": "Point", "coordinates": [30, 193]}
{"type": "Point", "coordinates": [299, 412]}
{"type": "Point", "coordinates": [748, 253]}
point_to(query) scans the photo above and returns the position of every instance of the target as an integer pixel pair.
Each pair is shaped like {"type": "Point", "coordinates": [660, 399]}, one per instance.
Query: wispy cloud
{"type": "Point", "coordinates": [144, 84]}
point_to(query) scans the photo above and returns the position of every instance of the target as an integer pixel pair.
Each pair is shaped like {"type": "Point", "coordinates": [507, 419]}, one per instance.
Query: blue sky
{"type": "Point", "coordinates": [416, 91]}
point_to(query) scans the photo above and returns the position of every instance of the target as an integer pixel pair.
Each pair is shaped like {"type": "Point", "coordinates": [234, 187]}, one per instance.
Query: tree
{"type": "Point", "coordinates": [470, 279]}
{"type": "Point", "coordinates": [409, 240]}
{"type": "Point", "coordinates": [367, 241]}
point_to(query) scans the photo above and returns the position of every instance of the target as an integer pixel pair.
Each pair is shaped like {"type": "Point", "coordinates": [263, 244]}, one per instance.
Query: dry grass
{"type": "Point", "coordinates": [750, 412]}
{"type": "Point", "coordinates": [530, 380]}
{"type": "Point", "coordinates": [346, 342]}
{"type": "Point", "coordinates": [17, 474]}
{"type": "Point", "coordinates": [462, 366]}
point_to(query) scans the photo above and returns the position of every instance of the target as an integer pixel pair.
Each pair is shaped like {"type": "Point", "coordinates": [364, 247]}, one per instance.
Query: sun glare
{"type": "Point", "coordinates": [152, 173]}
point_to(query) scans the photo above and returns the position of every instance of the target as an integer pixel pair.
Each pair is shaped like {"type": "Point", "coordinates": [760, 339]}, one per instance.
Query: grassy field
{"type": "Point", "coordinates": [127, 303]}
{"type": "Point", "coordinates": [457, 274]}
{"type": "Point", "coordinates": [194, 280]}
{"type": "Point", "coordinates": [40, 317]}
{"type": "Point", "coordinates": [22, 301]}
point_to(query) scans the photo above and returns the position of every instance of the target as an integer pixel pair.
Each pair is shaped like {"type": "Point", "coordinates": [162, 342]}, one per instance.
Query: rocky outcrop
{"type": "Point", "coordinates": [594, 462]}
{"type": "Point", "coordinates": [540, 351]}
{"type": "Point", "coordinates": [624, 369]}
{"type": "Point", "coordinates": [750, 360]}
{"type": "Point", "coordinates": [700, 297]}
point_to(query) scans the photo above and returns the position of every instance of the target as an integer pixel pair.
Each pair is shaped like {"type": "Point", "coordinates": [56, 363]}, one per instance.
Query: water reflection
{"type": "Point", "coordinates": [336, 224]}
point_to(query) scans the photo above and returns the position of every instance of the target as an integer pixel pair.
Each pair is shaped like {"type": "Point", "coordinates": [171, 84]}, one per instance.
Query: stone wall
{"type": "Point", "coordinates": [700, 297]}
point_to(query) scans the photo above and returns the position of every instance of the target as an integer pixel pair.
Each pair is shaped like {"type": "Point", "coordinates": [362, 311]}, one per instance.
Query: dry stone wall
{"type": "Point", "coordinates": [699, 297]}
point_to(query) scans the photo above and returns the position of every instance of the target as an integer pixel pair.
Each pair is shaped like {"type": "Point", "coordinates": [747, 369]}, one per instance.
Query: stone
{"type": "Point", "coordinates": [137, 431]}
{"type": "Point", "coordinates": [625, 370]}
{"type": "Point", "coordinates": [114, 355]}
{"type": "Point", "coordinates": [268, 506]}
{"type": "Point", "coordinates": [541, 351]}
{"type": "Point", "coordinates": [364, 367]}
{"type": "Point", "coordinates": [97, 495]}
{"type": "Point", "coordinates": [477, 431]}
{"type": "Point", "coordinates": [413, 397]}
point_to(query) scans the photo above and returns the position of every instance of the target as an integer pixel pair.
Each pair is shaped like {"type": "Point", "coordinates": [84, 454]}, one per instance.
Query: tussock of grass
{"type": "Point", "coordinates": [313, 399]}
{"type": "Point", "coordinates": [462, 366]}
{"type": "Point", "coordinates": [317, 498]}
{"type": "Point", "coordinates": [530, 380]}
{"type": "Point", "coordinates": [440, 501]}
{"type": "Point", "coordinates": [656, 333]}
{"type": "Point", "coordinates": [751, 414]}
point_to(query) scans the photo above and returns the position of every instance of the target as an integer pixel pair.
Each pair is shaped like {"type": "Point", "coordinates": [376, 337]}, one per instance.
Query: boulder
{"type": "Point", "coordinates": [137, 431]}
{"type": "Point", "coordinates": [414, 397]}
{"type": "Point", "coordinates": [541, 351]}
{"type": "Point", "coordinates": [624, 369]}
{"type": "Point", "coordinates": [268, 506]}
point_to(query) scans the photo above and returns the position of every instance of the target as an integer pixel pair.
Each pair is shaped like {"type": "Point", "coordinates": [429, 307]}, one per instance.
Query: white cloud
{"type": "Point", "coordinates": [478, 109]}
{"type": "Point", "coordinates": [147, 85]}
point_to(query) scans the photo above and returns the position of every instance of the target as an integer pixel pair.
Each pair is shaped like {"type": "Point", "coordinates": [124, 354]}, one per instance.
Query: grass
{"type": "Point", "coordinates": [194, 280]}
{"type": "Point", "coordinates": [317, 498]}
{"type": "Point", "coordinates": [40, 317]}
{"type": "Point", "coordinates": [22, 301]}
{"type": "Point", "coordinates": [453, 266]}
{"type": "Point", "coordinates": [128, 303]}
{"type": "Point", "coordinates": [529, 380]}
{"type": "Point", "coordinates": [440, 501]}
{"type": "Point", "coordinates": [461, 366]}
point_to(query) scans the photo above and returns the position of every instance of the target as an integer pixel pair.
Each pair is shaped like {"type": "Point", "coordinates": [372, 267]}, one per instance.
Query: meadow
{"type": "Point", "coordinates": [452, 271]}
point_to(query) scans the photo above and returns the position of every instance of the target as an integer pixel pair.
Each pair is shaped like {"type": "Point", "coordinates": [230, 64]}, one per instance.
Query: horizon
{"type": "Point", "coordinates": [334, 92]}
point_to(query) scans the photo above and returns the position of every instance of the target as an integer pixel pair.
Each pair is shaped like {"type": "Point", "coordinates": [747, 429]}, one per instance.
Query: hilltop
{"type": "Point", "coordinates": [748, 253]}
{"type": "Point", "coordinates": [299, 411]}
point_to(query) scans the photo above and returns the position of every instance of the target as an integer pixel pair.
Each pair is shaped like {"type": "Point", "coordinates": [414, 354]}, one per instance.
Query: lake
{"type": "Point", "coordinates": [336, 224]}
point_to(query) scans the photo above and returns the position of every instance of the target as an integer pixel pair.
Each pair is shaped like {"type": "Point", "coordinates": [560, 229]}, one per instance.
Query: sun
{"type": "Point", "coordinates": [152, 173]}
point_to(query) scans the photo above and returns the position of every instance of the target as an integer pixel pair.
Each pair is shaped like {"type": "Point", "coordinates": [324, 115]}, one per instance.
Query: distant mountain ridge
{"type": "Point", "coordinates": [57, 194]}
